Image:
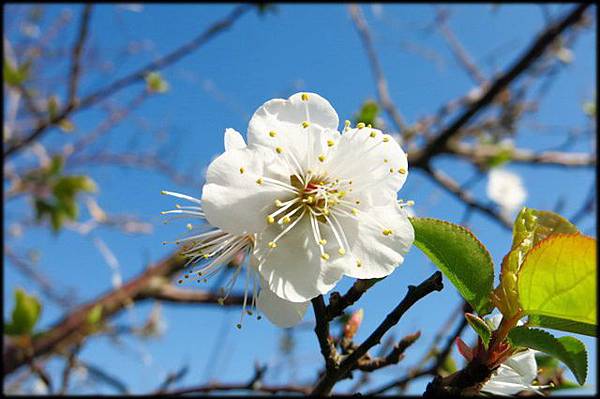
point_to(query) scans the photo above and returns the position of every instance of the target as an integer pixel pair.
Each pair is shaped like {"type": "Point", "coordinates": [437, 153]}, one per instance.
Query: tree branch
{"type": "Point", "coordinates": [533, 53]}
{"type": "Point", "coordinates": [433, 283]}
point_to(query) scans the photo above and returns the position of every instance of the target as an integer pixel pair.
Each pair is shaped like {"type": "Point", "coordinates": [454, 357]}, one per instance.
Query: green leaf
{"type": "Point", "coordinates": [530, 227]}
{"type": "Point", "coordinates": [15, 76]}
{"type": "Point", "coordinates": [462, 258]}
{"type": "Point", "coordinates": [480, 327]}
{"type": "Point", "coordinates": [558, 279]}
{"type": "Point", "coordinates": [500, 158]}
{"type": "Point", "coordinates": [155, 83]}
{"type": "Point", "coordinates": [25, 314]}
{"type": "Point", "coordinates": [562, 325]}
{"type": "Point", "coordinates": [95, 314]}
{"type": "Point", "coordinates": [367, 113]}
{"type": "Point", "coordinates": [568, 350]}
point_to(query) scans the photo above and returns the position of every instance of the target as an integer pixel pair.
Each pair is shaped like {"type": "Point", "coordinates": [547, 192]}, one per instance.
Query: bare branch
{"type": "Point", "coordinates": [135, 77]}
{"type": "Point", "coordinates": [382, 88]}
{"type": "Point", "coordinates": [77, 52]}
{"type": "Point", "coordinates": [533, 53]}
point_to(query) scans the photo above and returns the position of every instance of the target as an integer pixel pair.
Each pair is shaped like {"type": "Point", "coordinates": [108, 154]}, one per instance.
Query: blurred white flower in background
{"type": "Point", "coordinates": [506, 189]}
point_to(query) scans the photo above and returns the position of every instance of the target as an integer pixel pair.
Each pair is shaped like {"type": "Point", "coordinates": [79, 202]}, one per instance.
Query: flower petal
{"type": "Point", "coordinates": [294, 270]}
{"type": "Point", "coordinates": [232, 198]}
{"type": "Point", "coordinates": [379, 238]}
{"type": "Point", "coordinates": [279, 311]}
{"type": "Point", "coordinates": [383, 165]}
{"type": "Point", "coordinates": [296, 127]}
{"type": "Point", "coordinates": [233, 140]}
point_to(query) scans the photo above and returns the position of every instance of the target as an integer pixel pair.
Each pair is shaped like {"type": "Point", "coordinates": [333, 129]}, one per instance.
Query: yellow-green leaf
{"type": "Point", "coordinates": [558, 279]}
{"type": "Point", "coordinates": [480, 327]}
{"type": "Point", "coordinates": [25, 313]}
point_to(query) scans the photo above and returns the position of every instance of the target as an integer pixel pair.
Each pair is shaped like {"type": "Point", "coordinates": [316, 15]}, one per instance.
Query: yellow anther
{"type": "Point", "coordinates": [354, 211]}
{"type": "Point", "coordinates": [304, 97]}
{"type": "Point", "coordinates": [272, 133]}
{"type": "Point", "coordinates": [326, 212]}
{"type": "Point", "coordinates": [385, 161]}
{"type": "Point", "coordinates": [322, 241]}
{"type": "Point", "coordinates": [360, 125]}
{"type": "Point", "coordinates": [391, 170]}
{"type": "Point", "coordinates": [387, 232]}
{"type": "Point", "coordinates": [305, 124]}
{"type": "Point", "coordinates": [310, 199]}
{"type": "Point", "coordinates": [346, 123]}
{"type": "Point", "coordinates": [322, 158]}
{"type": "Point", "coordinates": [357, 202]}
{"type": "Point", "coordinates": [188, 226]}
{"type": "Point", "coordinates": [358, 263]}
{"type": "Point", "coordinates": [242, 170]}
{"type": "Point", "coordinates": [386, 138]}
{"type": "Point", "coordinates": [325, 256]}
{"type": "Point", "coordinates": [272, 244]}
{"type": "Point", "coordinates": [373, 133]}
{"type": "Point", "coordinates": [341, 194]}
{"type": "Point", "coordinates": [206, 256]}
{"type": "Point", "coordinates": [278, 203]}
{"type": "Point", "coordinates": [369, 126]}
{"type": "Point", "coordinates": [330, 143]}
{"type": "Point", "coordinates": [285, 219]}
{"type": "Point", "coordinates": [270, 219]}
{"type": "Point", "coordinates": [278, 150]}
{"type": "Point", "coordinates": [410, 203]}
{"type": "Point", "coordinates": [342, 251]}
{"type": "Point", "coordinates": [402, 171]}
{"type": "Point", "coordinates": [259, 180]}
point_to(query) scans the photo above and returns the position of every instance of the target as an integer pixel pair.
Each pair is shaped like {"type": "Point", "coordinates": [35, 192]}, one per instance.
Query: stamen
{"type": "Point", "coordinates": [272, 133]}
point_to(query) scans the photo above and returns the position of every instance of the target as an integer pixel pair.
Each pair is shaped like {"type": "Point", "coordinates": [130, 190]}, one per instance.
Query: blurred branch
{"type": "Point", "coordinates": [382, 88]}
{"type": "Point", "coordinates": [135, 77]}
{"type": "Point", "coordinates": [74, 327]}
{"type": "Point", "coordinates": [482, 154]}
{"type": "Point", "coordinates": [532, 54]}
{"type": "Point", "coordinates": [75, 72]}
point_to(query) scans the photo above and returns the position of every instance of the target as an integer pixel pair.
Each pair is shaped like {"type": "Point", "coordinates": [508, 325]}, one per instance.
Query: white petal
{"type": "Point", "coordinates": [379, 254]}
{"type": "Point", "coordinates": [294, 270]}
{"type": "Point", "coordinates": [279, 124]}
{"type": "Point", "coordinates": [279, 311]}
{"type": "Point", "coordinates": [232, 199]}
{"type": "Point", "coordinates": [377, 165]}
{"type": "Point", "coordinates": [524, 364]}
{"type": "Point", "coordinates": [233, 140]}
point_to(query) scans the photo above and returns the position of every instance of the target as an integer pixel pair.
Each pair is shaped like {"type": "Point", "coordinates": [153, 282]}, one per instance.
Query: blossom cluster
{"type": "Point", "coordinates": [306, 203]}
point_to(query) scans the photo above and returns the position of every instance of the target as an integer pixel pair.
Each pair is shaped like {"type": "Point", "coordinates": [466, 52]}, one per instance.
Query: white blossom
{"type": "Point", "coordinates": [516, 374]}
{"type": "Point", "coordinates": [322, 204]}
{"type": "Point", "coordinates": [506, 189]}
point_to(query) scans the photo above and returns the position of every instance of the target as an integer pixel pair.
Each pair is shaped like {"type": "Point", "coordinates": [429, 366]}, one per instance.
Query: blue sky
{"type": "Point", "coordinates": [305, 47]}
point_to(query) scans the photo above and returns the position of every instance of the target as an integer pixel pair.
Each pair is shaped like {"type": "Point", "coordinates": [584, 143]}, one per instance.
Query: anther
{"type": "Point", "coordinates": [272, 133]}
{"type": "Point", "coordinates": [304, 97]}
{"type": "Point", "coordinates": [180, 281]}
{"type": "Point", "coordinates": [189, 226]}
{"type": "Point", "coordinates": [259, 180]}
{"type": "Point", "coordinates": [342, 251]}
{"type": "Point", "coordinates": [386, 138]}
{"type": "Point", "coordinates": [305, 124]}
{"type": "Point", "coordinates": [346, 123]}
{"type": "Point", "coordinates": [402, 171]}
{"type": "Point", "coordinates": [385, 161]}
{"type": "Point", "coordinates": [322, 158]}
{"type": "Point", "coordinates": [221, 301]}
{"type": "Point", "coordinates": [358, 263]}
{"type": "Point", "coordinates": [330, 143]}
{"type": "Point", "coordinates": [373, 133]}
{"type": "Point", "coordinates": [354, 211]}
{"type": "Point", "coordinates": [369, 126]}
{"type": "Point", "coordinates": [272, 244]}
{"type": "Point", "coordinates": [325, 256]}
{"type": "Point", "coordinates": [285, 219]}
{"type": "Point", "coordinates": [310, 199]}
{"type": "Point", "coordinates": [322, 241]}
{"type": "Point", "coordinates": [410, 203]}
{"type": "Point", "coordinates": [239, 326]}
{"type": "Point", "coordinates": [242, 170]}
{"type": "Point", "coordinates": [278, 203]}
{"type": "Point", "coordinates": [270, 219]}
{"type": "Point", "coordinates": [387, 232]}
{"type": "Point", "coordinates": [391, 170]}
{"type": "Point", "coordinates": [278, 150]}
{"type": "Point", "coordinates": [360, 125]}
